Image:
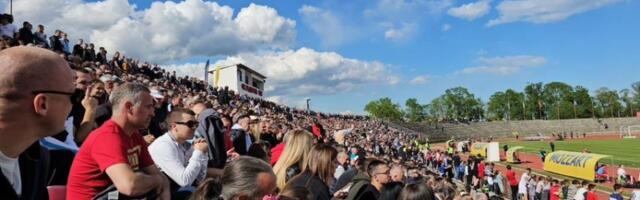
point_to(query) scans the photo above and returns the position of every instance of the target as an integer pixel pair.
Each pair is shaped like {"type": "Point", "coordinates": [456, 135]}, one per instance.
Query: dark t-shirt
{"type": "Point", "coordinates": [368, 193]}
{"type": "Point", "coordinates": [318, 188]}
{"type": "Point", "coordinates": [456, 160]}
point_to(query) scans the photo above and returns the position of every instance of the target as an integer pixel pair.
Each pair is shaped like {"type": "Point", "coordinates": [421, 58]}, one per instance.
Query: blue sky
{"type": "Point", "coordinates": [422, 47]}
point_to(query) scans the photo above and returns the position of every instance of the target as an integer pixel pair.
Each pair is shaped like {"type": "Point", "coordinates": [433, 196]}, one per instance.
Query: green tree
{"type": "Point", "coordinates": [558, 97]}
{"type": "Point", "coordinates": [534, 101]}
{"type": "Point", "coordinates": [461, 105]}
{"type": "Point", "coordinates": [507, 105]}
{"type": "Point", "coordinates": [436, 108]}
{"type": "Point", "coordinates": [608, 102]}
{"type": "Point", "coordinates": [583, 102]}
{"type": "Point", "coordinates": [629, 107]}
{"type": "Point", "coordinates": [384, 108]}
{"type": "Point", "coordinates": [496, 107]}
{"type": "Point", "coordinates": [414, 111]}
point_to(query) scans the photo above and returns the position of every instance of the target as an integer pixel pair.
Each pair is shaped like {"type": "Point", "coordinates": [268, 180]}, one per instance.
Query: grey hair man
{"type": "Point", "coordinates": [397, 173]}
{"type": "Point", "coordinates": [247, 178]}
{"type": "Point", "coordinates": [33, 105]}
{"type": "Point", "coordinates": [117, 154]}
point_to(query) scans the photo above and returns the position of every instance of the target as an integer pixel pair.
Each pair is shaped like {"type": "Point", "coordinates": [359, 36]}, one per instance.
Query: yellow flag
{"type": "Point", "coordinates": [217, 76]}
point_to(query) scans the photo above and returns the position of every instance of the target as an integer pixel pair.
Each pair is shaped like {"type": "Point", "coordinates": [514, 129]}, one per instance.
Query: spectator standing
{"type": "Point", "coordinates": [555, 191]}
{"type": "Point", "coordinates": [78, 50]}
{"type": "Point", "coordinates": [101, 56]}
{"type": "Point", "coordinates": [33, 105]}
{"type": "Point", "coordinates": [41, 37]}
{"type": "Point", "coordinates": [591, 193]}
{"type": "Point", "coordinates": [581, 192]}
{"type": "Point", "coordinates": [128, 166]}
{"type": "Point", "coordinates": [89, 53]}
{"type": "Point", "coordinates": [572, 189]}
{"type": "Point", "coordinates": [56, 42]}
{"type": "Point", "coordinates": [65, 43]}
{"type": "Point", "coordinates": [616, 194]}
{"type": "Point", "coordinates": [513, 182]}
{"type": "Point", "coordinates": [7, 28]}
{"type": "Point", "coordinates": [25, 34]}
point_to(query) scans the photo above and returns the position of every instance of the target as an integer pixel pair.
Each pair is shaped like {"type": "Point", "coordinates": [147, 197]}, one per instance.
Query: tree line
{"type": "Point", "coordinates": [550, 101]}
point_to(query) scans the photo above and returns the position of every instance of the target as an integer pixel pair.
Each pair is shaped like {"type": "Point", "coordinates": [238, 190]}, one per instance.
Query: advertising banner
{"type": "Point", "coordinates": [479, 148]}
{"type": "Point", "coordinates": [574, 164]}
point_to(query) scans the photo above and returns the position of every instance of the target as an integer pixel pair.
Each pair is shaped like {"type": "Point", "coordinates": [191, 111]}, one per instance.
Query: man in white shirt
{"type": "Point", "coordinates": [182, 162]}
{"type": "Point", "coordinates": [635, 195]}
{"type": "Point", "coordinates": [7, 28]}
{"type": "Point", "coordinates": [583, 189]}
{"type": "Point", "coordinates": [622, 173]}
{"type": "Point", "coordinates": [522, 185]}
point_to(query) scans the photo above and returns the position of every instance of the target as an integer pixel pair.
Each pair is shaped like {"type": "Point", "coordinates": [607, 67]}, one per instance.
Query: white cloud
{"type": "Point", "coordinates": [188, 69]}
{"type": "Point", "coordinates": [295, 74]}
{"type": "Point", "coordinates": [166, 30]}
{"type": "Point", "coordinates": [544, 11]}
{"type": "Point", "coordinates": [420, 80]}
{"type": "Point", "coordinates": [505, 65]}
{"type": "Point", "coordinates": [471, 11]}
{"type": "Point", "coordinates": [402, 18]}
{"type": "Point", "coordinates": [327, 25]}
{"type": "Point", "coordinates": [446, 27]}
{"type": "Point", "coordinates": [402, 33]}
{"type": "Point", "coordinates": [306, 71]}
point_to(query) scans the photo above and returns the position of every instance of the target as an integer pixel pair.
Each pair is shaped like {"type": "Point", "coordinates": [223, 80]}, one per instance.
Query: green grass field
{"type": "Point", "coordinates": [626, 152]}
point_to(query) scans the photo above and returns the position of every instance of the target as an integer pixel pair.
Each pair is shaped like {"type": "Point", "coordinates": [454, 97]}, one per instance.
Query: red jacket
{"type": "Point", "coordinates": [591, 195]}
{"type": "Point", "coordinates": [276, 152]}
{"type": "Point", "coordinates": [511, 176]}
{"type": "Point", "coordinates": [481, 170]}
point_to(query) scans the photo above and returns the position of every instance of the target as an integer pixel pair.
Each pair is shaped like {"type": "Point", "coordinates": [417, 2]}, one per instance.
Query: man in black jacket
{"type": "Point", "coordinates": [379, 173]}
{"type": "Point", "coordinates": [211, 129]}
{"type": "Point", "coordinates": [240, 135]}
{"type": "Point", "coordinates": [25, 35]}
{"type": "Point", "coordinates": [33, 105]}
{"type": "Point", "coordinates": [56, 43]}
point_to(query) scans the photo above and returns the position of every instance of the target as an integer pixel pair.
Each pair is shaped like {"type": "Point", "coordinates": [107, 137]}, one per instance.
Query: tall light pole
{"type": "Point", "coordinates": [11, 7]}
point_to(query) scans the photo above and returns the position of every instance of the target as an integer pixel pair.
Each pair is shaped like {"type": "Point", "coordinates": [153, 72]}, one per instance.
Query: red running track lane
{"type": "Point", "coordinates": [534, 162]}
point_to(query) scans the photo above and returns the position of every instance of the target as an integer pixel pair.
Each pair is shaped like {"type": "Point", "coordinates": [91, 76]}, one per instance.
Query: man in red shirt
{"type": "Point", "coordinates": [591, 194]}
{"type": "Point", "coordinates": [513, 182]}
{"type": "Point", "coordinates": [117, 154]}
{"type": "Point", "coordinates": [555, 192]}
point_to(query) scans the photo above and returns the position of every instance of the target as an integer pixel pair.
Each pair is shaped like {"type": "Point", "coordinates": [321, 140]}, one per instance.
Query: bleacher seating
{"type": "Point", "coordinates": [523, 128]}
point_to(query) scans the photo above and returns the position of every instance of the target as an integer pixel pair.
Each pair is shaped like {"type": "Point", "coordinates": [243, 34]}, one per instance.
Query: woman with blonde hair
{"type": "Point", "coordinates": [318, 173]}
{"type": "Point", "coordinates": [294, 156]}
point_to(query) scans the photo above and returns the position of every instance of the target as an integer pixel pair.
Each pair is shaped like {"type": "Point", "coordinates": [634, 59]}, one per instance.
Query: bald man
{"type": "Point", "coordinates": [33, 105]}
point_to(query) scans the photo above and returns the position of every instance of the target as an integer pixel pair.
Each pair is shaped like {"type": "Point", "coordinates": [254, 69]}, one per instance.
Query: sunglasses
{"type": "Point", "coordinates": [72, 95]}
{"type": "Point", "coordinates": [190, 124]}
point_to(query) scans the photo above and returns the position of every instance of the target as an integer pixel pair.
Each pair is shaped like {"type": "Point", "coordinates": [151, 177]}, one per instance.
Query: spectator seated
{"type": "Point", "coordinates": [601, 174]}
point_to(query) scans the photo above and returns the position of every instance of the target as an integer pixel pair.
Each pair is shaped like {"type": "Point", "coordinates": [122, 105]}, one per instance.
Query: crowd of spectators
{"type": "Point", "coordinates": [119, 128]}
